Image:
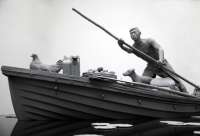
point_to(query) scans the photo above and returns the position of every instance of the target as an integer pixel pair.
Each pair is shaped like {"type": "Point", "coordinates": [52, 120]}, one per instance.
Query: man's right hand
{"type": "Point", "coordinates": [159, 63]}
{"type": "Point", "coordinates": [121, 42]}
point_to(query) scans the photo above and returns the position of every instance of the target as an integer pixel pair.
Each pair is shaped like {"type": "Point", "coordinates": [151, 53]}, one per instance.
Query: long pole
{"type": "Point", "coordinates": [139, 53]}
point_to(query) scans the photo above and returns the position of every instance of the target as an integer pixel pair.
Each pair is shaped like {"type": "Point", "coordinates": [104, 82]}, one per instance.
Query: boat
{"type": "Point", "coordinates": [41, 95]}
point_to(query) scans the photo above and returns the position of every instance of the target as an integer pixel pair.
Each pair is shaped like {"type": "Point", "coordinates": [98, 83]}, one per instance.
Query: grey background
{"type": "Point", "coordinates": [51, 29]}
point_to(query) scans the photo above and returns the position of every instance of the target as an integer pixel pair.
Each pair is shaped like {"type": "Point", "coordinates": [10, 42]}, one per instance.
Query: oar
{"type": "Point", "coordinates": [139, 53]}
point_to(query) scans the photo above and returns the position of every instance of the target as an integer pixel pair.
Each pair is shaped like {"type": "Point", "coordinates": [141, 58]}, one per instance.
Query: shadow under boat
{"type": "Point", "coordinates": [39, 95]}
{"type": "Point", "coordinates": [107, 128]}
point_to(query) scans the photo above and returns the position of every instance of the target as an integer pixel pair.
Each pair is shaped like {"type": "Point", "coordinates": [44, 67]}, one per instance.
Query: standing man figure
{"type": "Point", "coordinates": [154, 50]}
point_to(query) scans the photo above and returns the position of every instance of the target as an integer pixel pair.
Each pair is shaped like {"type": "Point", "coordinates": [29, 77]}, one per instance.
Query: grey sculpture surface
{"type": "Point", "coordinates": [36, 64]}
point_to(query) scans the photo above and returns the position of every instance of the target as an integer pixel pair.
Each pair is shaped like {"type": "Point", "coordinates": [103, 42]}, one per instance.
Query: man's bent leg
{"type": "Point", "coordinates": [149, 71]}
{"type": "Point", "coordinates": [179, 84]}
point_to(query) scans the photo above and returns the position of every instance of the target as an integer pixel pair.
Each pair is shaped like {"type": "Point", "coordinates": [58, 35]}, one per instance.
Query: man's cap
{"type": "Point", "coordinates": [133, 29]}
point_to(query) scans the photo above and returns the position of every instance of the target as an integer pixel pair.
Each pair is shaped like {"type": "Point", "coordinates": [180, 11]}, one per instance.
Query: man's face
{"type": "Point", "coordinates": [135, 34]}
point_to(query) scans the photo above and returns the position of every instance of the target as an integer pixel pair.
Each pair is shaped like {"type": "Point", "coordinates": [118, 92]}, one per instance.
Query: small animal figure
{"type": "Point", "coordinates": [131, 73]}
{"type": "Point", "coordinates": [161, 82]}
{"type": "Point", "coordinates": [36, 64]}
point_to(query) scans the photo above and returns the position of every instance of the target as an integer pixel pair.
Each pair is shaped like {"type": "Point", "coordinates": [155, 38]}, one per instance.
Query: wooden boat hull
{"type": "Point", "coordinates": [40, 95]}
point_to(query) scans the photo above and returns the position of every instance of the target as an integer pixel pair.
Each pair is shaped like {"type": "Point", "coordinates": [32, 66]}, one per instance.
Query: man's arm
{"type": "Point", "coordinates": [121, 42]}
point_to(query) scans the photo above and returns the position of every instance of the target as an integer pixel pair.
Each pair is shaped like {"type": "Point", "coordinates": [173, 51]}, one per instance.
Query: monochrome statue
{"type": "Point", "coordinates": [154, 50]}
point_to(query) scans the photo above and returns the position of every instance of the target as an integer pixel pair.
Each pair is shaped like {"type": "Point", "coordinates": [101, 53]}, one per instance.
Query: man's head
{"type": "Point", "coordinates": [135, 33]}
